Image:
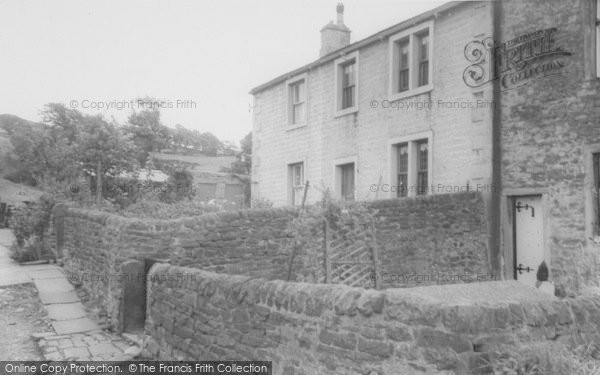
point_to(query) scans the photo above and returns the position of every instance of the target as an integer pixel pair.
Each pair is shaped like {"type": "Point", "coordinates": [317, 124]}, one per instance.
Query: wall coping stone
{"type": "Point", "coordinates": [473, 309]}
{"type": "Point", "coordinates": [113, 219]}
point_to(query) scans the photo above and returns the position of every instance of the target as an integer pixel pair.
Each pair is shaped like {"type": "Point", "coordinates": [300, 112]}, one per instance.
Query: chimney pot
{"type": "Point", "coordinates": [340, 13]}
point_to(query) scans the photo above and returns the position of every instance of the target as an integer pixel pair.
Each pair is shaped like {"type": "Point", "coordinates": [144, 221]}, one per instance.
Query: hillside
{"type": "Point", "coordinates": [8, 121]}
{"type": "Point", "coordinates": [15, 193]}
{"type": "Point", "coordinates": [11, 192]}
{"type": "Point", "coordinates": [5, 146]}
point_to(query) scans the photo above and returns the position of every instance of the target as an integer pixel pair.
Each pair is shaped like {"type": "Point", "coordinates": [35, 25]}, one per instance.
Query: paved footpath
{"type": "Point", "coordinates": [75, 336]}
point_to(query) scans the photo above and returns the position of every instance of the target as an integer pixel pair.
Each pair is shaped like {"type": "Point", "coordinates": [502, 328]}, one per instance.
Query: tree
{"type": "Point", "coordinates": [148, 133]}
{"type": "Point", "coordinates": [182, 138]}
{"type": "Point", "coordinates": [243, 164]}
{"type": "Point", "coordinates": [207, 143]}
{"type": "Point", "coordinates": [104, 149]}
{"type": "Point", "coordinates": [28, 154]}
{"type": "Point", "coordinates": [70, 144]}
{"type": "Point", "coordinates": [186, 140]}
{"type": "Point", "coordinates": [45, 151]}
{"type": "Point", "coordinates": [64, 131]}
{"type": "Point", "coordinates": [65, 122]}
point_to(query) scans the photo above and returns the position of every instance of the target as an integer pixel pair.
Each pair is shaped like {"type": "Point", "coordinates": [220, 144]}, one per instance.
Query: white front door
{"type": "Point", "coordinates": [529, 240]}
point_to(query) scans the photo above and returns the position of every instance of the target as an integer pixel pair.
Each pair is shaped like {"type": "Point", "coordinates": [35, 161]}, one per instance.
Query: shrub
{"type": "Point", "coordinates": [179, 186]}
{"type": "Point", "coordinates": [31, 250]}
{"type": "Point", "coordinates": [29, 224]}
{"type": "Point", "coordinates": [161, 210]}
{"type": "Point", "coordinates": [124, 192]}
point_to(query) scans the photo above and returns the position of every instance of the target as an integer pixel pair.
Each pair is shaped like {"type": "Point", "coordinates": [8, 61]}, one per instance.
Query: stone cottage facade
{"type": "Point", "coordinates": [497, 97]}
{"type": "Point", "coordinates": [383, 117]}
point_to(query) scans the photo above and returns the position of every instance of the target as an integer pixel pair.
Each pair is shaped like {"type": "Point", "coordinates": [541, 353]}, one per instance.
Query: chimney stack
{"type": "Point", "coordinates": [335, 35]}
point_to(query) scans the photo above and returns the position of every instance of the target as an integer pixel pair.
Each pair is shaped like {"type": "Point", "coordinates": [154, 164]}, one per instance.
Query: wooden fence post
{"type": "Point", "coordinates": [305, 192]}
{"type": "Point", "coordinates": [375, 256]}
{"type": "Point", "coordinates": [291, 265]}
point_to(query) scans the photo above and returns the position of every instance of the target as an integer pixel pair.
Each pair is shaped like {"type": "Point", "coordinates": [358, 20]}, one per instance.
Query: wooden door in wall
{"type": "Point", "coordinates": [528, 239]}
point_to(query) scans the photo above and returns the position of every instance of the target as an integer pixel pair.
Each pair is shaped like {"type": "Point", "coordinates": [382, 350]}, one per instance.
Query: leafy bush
{"type": "Point", "coordinates": [161, 210]}
{"type": "Point", "coordinates": [123, 192]}
{"type": "Point", "coordinates": [31, 250]}
{"type": "Point", "coordinates": [28, 225]}
{"type": "Point", "coordinates": [76, 190]}
{"type": "Point", "coordinates": [179, 186]}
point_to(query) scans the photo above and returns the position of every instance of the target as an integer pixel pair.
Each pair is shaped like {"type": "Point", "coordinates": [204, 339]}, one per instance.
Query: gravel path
{"type": "Point", "coordinates": [21, 314]}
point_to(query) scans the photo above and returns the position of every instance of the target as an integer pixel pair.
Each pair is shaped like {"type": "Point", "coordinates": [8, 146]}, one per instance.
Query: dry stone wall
{"type": "Point", "coordinates": [437, 239]}
{"type": "Point", "coordinates": [428, 240]}
{"type": "Point", "coordinates": [96, 244]}
{"type": "Point", "coordinates": [335, 329]}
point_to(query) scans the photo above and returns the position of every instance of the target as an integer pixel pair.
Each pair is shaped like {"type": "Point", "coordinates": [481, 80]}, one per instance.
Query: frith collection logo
{"type": "Point", "coordinates": [515, 62]}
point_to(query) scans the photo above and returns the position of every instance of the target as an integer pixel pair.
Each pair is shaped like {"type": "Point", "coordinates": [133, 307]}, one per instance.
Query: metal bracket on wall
{"type": "Point", "coordinates": [520, 206]}
{"type": "Point", "coordinates": [522, 268]}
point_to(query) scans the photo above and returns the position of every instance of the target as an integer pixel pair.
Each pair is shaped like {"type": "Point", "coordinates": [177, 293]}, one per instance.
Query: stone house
{"type": "Point", "coordinates": [379, 118]}
{"type": "Point", "coordinates": [497, 97]}
{"type": "Point", "coordinates": [548, 138]}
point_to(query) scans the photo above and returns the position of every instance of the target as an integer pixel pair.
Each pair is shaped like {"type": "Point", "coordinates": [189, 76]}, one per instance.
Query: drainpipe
{"type": "Point", "coordinates": [496, 223]}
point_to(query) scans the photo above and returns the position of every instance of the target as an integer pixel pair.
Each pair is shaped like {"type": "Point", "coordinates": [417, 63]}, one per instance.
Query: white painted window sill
{"type": "Point", "coordinates": [296, 126]}
{"type": "Point", "coordinates": [407, 94]}
{"type": "Point", "coordinates": [346, 111]}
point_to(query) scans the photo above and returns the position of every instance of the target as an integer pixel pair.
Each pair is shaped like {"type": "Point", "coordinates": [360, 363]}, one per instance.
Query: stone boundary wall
{"type": "Point", "coordinates": [242, 242]}
{"type": "Point", "coordinates": [425, 240]}
{"type": "Point", "coordinates": [441, 238]}
{"type": "Point", "coordinates": [335, 329]}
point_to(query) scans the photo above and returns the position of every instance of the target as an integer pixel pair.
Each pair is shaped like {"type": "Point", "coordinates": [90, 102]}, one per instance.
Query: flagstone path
{"type": "Point", "coordinates": [74, 336]}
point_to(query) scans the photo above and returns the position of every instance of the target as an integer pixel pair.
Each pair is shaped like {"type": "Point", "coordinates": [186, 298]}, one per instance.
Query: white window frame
{"type": "Point", "coordinates": [337, 173]}
{"type": "Point", "coordinates": [338, 111]}
{"type": "Point", "coordinates": [291, 182]}
{"type": "Point", "coordinates": [290, 179]}
{"type": "Point", "coordinates": [411, 34]}
{"type": "Point", "coordinates": [411, 140]}
{"type": "Point", "coordinates": [290, 105]}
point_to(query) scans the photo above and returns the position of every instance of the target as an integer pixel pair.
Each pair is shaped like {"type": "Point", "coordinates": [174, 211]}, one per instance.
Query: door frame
{"type": "Point", "coordinates": [508, 255]}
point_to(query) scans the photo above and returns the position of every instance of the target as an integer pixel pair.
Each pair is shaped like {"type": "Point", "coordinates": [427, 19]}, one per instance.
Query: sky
{"type": "Point", "coordinates": [200, 58]}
